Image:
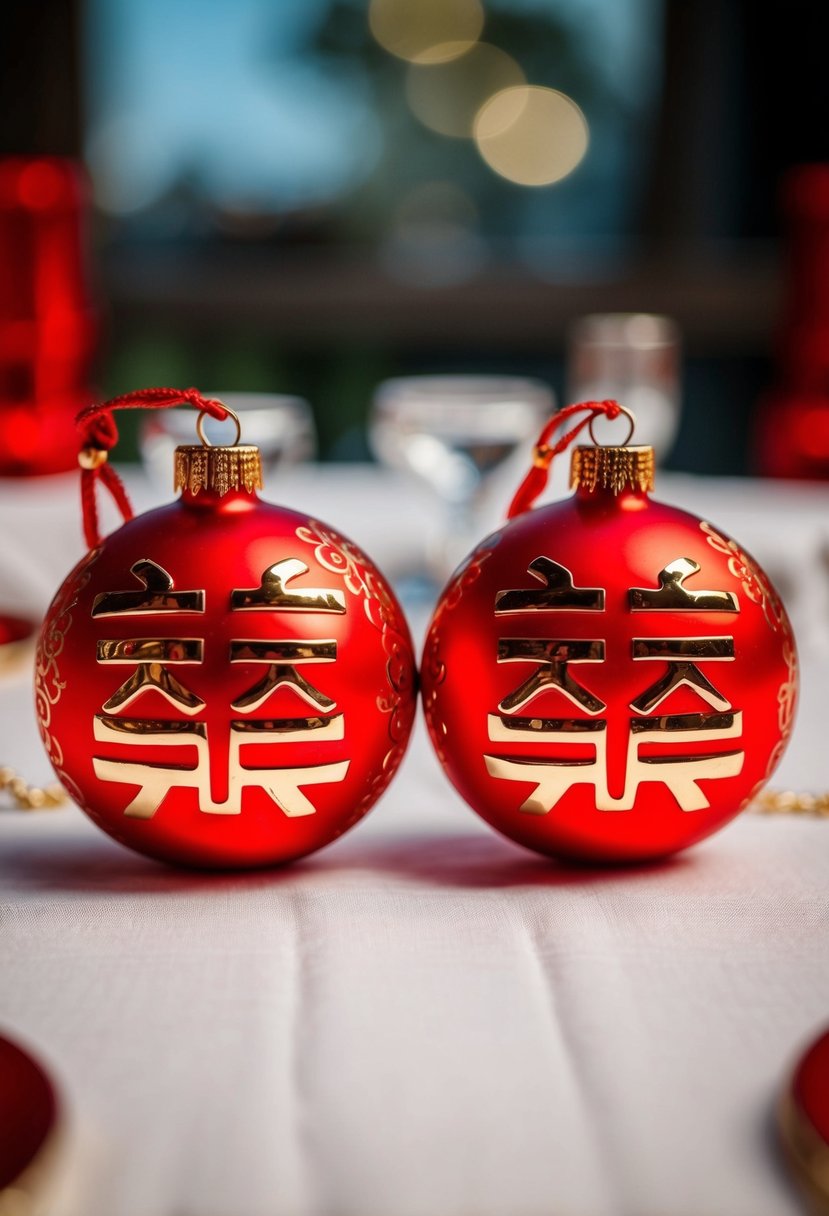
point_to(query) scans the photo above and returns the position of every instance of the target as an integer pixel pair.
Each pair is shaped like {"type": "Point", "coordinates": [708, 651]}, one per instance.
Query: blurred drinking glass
{"type": "Point", "coordinates": [282, 427]}
{"type": "Point", "coordinates": [454, 432]}
{"type": "Point", "coordinates": [634, 358]}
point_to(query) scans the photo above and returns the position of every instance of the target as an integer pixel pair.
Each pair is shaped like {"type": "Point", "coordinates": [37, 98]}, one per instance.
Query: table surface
{"type": "Point", "coordinates": [422, 1019]}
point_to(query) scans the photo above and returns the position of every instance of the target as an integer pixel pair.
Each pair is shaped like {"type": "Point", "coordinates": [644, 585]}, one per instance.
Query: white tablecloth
{"type": "Point", "coordinates": [422, 1019]}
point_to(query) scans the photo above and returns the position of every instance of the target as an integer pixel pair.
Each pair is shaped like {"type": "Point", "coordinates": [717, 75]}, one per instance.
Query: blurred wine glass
{"type": "Point", "coordinates": [454, 432]}
{"type": "Point", "coordinates": [635, 359]}
{"type": "Point", "coordinates": [281, 426]}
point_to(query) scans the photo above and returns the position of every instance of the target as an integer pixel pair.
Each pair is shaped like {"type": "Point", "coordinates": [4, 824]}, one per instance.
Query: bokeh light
{"type": "Point", "coordinates": [532, 136]}
{"type": "Point", "coordinates": [426, 31]}
{"type": "Point", "coordinates": [447, 96]}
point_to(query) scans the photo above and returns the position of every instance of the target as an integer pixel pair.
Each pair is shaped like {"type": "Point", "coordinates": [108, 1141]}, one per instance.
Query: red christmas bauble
{"type": "Point", "coordinates": [223, 682]}
{"type": "Point", "coordinates": [608, 678]}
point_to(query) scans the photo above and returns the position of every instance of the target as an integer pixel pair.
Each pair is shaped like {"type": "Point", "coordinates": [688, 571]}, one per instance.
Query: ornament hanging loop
{"type": "Point", "coordinates": [100, 434]}
{"type": "Point", "coordinates": [229, 413]}
{"type": "Point", "coordinates": [631, 428]}
{"type": "Point", "coordinates": [544, 453]}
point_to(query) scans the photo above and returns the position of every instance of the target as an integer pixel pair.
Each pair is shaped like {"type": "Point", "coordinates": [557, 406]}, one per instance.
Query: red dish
{"type": "Point", "coordinates": [28, 1113]}
{"type": "Point", "coordinates": [804, 1122]}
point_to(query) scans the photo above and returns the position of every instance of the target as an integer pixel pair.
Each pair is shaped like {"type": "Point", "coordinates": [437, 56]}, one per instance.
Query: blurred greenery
{"type": "Point", "coordinates": [338, 386]}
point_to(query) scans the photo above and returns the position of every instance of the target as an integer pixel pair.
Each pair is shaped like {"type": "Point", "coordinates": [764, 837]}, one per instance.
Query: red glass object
{"type": "Point", "coordinates": [804, 1122]}
{"type": "Point", "coordinates": [223, 682]}
{"type": "Point", "coordinates": [48, 326]}
{"type": "Point", "coordinates": [608, 678]}
{"type": "Point", "coordinates": [28, 1118]}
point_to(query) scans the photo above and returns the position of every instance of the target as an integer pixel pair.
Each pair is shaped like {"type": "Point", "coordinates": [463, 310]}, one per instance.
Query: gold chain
{"type": "Point", "coordinates": [789, 802]}
{"type": "Point", "coordinates": [27, 797]}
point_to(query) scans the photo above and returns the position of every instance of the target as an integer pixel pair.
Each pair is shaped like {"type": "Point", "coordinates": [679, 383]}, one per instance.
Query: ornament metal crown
{"type": "Point", "coordinates": [613, 468]}
{"type": "Point", "coordinates": [219, 469]}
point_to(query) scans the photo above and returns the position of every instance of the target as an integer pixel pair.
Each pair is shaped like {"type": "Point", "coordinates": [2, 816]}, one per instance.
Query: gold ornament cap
{"type": "Point", "coordinates": [614, 469]}
{"type": "Point", "coordinates": [218, 468]}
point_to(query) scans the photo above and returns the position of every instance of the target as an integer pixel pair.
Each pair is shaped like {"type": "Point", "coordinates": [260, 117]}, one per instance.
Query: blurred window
{"type": "Point", "coordinates": [266, 119]}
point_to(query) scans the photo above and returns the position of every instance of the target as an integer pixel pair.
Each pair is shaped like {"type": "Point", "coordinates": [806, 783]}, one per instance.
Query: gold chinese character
{"type": "Point", "coordinates": [282, 658]}
{"type": "Point", "coordinates": [553, 655]}
{"type": "Point", "coordinates": [157, 595]}
{"type": "Point", "coordinates": [673, 596]}
{"type": "Point", "coordinates": [152, 656]}
{"type": "Point", "coordinates": [552, 778]}
{"type": "Point", "coordinates": [272, 592]}
{"type": "Point", "coordinates": [677, 653]}
{"type": "Point", "coordinates": [155, 781]}
{"type": "Point", "coordinates": [557, 593]}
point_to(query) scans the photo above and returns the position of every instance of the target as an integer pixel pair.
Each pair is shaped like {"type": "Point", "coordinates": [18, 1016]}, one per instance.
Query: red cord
{"type": "Point", "coordinates": [100, 434]}
{"type": "Point", "coordinates": [536, 478]}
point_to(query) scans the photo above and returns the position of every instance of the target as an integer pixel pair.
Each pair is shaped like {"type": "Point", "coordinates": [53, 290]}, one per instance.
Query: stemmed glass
{"type": "Point", "coordinates": [454, 433]}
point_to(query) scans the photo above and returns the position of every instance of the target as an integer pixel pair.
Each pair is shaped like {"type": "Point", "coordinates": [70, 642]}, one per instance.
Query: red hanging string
{"type": "Point", "coordinates": [99, 435]}
{"type": "Point", "coordinates": [536, 478]}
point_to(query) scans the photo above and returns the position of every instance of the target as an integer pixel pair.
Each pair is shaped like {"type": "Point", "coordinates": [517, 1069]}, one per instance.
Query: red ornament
{"type": "Point", "coordinates": [608, 678]}
{"type": "Point", "coordinates": [223, 682]}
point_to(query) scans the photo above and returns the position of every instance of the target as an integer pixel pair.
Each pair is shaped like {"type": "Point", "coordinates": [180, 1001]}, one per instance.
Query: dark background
{"type": "Point", "coordinates": [306, 305]}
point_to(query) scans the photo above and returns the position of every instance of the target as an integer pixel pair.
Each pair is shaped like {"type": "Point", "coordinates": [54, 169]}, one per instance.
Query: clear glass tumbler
{"type": "Point", "coordinates": [634, 358]}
